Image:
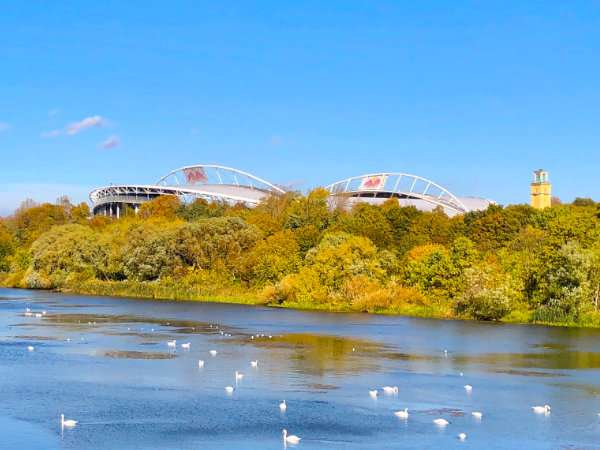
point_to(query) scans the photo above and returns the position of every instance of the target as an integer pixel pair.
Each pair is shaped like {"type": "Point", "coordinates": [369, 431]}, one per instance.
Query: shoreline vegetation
{"type": "Point", "coordinates": [509, 264]}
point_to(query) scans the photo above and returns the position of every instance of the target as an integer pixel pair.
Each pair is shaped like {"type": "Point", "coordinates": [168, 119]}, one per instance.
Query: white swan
{"type": "Point", "coordinates": [30, 348]}
{"type": "Point", "coordinates": [69, 423]}
{"type": "Point", "coordinates": [38, 315]}
{"type": "Point", "coordinates": [200, 363]}
{"type": "Point", "coordinates": [374, 393]}
{"type": "Point", "coordinates": [283, 405]}
{"type": "Point", "coordinates": [213, 353]}
{"type": "Point", "coordinates": [390, 389]}
{"type": "Point", "coordinates": [290, 439]}
{"type": "Point", "coordinates": [229, 389]}
{"type": "Point", "coordinates": [477, 414]}
{"type": "Point", "coordinates": [462, 436]}
{"type": "Point", "coordinates": [402, 414]}
{"type": "Point", "coordinates": [254, 363]}
{"type": "Point", "coordinates": [441, 422]}
{"type": "Point", "coordinates": [238, 375]}
{"type": "Point", "coordinates": [186, 345]}
{"type": "Point", "coordinates": [468, 388]}
{"type": "Point", "coordinates": [541, 409]}
{"type": "Point", "coordinates": [172, 343]}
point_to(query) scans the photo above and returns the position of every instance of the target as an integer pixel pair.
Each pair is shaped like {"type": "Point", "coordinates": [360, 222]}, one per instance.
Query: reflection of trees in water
{"type": "Point", "coordinates": [318, 355]}
{"type": "Point", "coordinates": [556, 360]}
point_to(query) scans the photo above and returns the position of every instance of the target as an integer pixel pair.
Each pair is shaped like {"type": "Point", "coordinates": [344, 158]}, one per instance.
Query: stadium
{"type": "Point", "coordinates": [219, 183]}
{"type": "Point", "coordinates": [409, 190]}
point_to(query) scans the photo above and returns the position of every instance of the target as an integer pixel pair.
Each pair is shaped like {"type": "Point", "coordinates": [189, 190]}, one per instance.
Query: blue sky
{"type": "Point", "coordinates": [474, 95]}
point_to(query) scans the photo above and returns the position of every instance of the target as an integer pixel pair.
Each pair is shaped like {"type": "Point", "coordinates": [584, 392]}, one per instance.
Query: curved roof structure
{"type": "Point", "coordinates": [410, 190]}
{"type": "Point", "coordinates": [208, 181]}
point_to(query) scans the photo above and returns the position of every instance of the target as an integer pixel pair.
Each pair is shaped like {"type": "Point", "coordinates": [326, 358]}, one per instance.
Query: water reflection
{"type": "Point", "coordinates": [132, 354]}
{"type": "Point", "coordinates": [107, 363]}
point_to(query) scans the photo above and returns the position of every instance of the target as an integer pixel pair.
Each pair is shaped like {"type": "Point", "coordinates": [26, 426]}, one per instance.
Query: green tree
{"type": "Point", "coordinates": [66, 249]}
{"type": "Point", "coordinates": [566, 284]}
{"type": "Point", "coordinates": [369, 221]}
{"type": "Point", "coordinates": [431, 270]}
{"type": "Point", "coordinates": [272, 258]}
{"type": "Point", "coordinates": [310, 210]}
{"type": "Point", "coordinates": [7, 247]}
{"type": "Point", "coordinates": [487, 294]}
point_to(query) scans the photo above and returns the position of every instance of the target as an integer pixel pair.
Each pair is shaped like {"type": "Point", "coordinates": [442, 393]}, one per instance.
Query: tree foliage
{"type": "Point", "coordinates": [497, 264]}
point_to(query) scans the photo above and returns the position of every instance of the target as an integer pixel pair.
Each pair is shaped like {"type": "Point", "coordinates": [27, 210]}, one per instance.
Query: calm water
{"type": "Point", "coordinates": [106, 363]}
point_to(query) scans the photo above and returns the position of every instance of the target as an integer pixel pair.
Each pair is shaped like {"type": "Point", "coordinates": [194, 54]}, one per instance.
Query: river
{"type": "Point", "coordinates": [105, 362]}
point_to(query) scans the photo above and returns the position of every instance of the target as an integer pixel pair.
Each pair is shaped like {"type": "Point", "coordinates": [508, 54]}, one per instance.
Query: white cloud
{"type": "Point", "coordinates": [88, 122]}
{"type": "Point", "coordinates": [111, 142]}
{"type": "Point", "coordinates": [4, 126]}
{"type": "Point", "coordinates": [77, 127]}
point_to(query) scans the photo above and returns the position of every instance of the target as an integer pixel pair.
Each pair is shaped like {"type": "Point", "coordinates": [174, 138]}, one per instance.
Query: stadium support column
{"type": "Point", "coordinates": [118, 210]}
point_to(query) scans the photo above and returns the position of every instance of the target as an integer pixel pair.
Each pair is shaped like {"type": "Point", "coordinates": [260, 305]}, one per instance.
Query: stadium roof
{"type": "Point", "coordinates": [209, 181]}
{"type": "Point", "coordinates": [410, 190]}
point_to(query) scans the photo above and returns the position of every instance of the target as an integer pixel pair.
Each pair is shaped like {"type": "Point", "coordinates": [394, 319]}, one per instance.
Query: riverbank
{"type": "Point", "coordinates": [237, 295]}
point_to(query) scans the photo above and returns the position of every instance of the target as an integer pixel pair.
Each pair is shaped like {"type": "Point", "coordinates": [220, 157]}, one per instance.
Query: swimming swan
{"type": "Point", "coordinates": [374, 393]}
{"type": "Point", "coordinates": [291, 439]}
{"type": "Point", "coordinates": [186, 345]}
{"type": "Point", "coordinates": [390, 389]}
{"type": "Point", "coordinates": [69, 423]}
{"type": "Point", "coordinates": [283, 405]}
{"type": "Point", "coordinates": [200, 363]}
{"type": "Point", "coordinates": [462, 436]}
{"type": "Point", "coordinates": [213, 353]}
{"type": "Point", "coordinates": [441, 422]}
{"type": "Point", "coordinates": [172, 343]}
{"type": "Point", "coordinates": [229, 389]}
{"type": "Point", "coordinates": [477, 414]}
{"type": "Point", "coordinates": [541, 409]}
{"type": "Point", "coordinates": [468, 387]}
{"type": "Point", "coordinates": [254, 363]}
{"type": "Point", "coordinates": [402, 414]}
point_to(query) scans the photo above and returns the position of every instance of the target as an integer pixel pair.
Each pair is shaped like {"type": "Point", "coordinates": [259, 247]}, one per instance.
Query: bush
{"type": "Point", "coordinates": [487, 295]}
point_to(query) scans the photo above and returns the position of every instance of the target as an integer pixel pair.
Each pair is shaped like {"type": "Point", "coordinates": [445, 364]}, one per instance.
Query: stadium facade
{"type": "Point", "coordinates": [214, 182]}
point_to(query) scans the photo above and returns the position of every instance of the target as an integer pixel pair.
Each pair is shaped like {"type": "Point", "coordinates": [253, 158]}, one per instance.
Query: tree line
{"type": "Point", "coordinates": [510, 263]}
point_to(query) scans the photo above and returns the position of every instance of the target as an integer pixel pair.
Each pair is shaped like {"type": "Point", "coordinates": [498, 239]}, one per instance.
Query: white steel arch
{"type": "Point", "coordinates": [400, 185]}
{"type": "Point", "coordinates": [214, 174]}
{"type": "Point", "coordinates": [211, 182]}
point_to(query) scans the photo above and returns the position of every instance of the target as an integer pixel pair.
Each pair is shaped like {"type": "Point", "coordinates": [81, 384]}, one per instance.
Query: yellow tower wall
{"type": "Point", "coordinates": [541, 195]}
